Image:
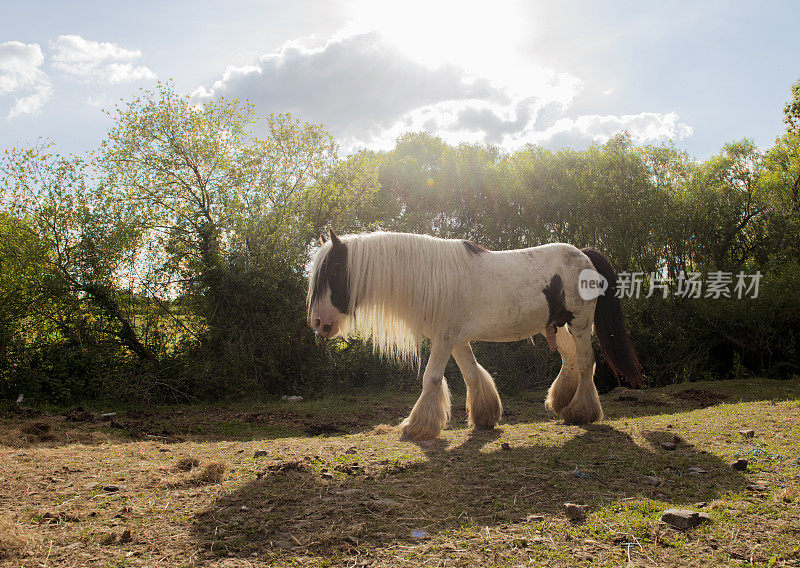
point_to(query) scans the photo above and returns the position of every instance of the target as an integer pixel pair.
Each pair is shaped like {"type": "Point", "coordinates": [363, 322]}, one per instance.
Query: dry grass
{"type": "Point", "coordinates": [382, 429]}
{"type": "Point", "coordinates": [100, 495]}
{"type": "Point", "coordinates": [187, 464]}
{"type": "Point", "coordinates": [14, 539]}
{"type": "Point", "coordinates": [38, 429]}
{"type": "Point", "coordinates": [213, 472]}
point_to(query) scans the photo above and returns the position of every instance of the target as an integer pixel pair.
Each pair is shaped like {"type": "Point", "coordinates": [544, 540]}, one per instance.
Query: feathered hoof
{"type": "Point", "coordinates": [555, 404]}
{"type": "Point", "coordinates": [485, 416]}
{"type": "Point", "coordinates": [581, 414]}
{"type": "Point", "coordinates": [416, 432]}
{"type": "Point", "coordinates": [561, 392]}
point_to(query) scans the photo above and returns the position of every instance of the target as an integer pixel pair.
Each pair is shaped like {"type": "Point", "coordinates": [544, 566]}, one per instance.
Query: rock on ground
{"type": "Point", "coordinates": [575, 512]}
{"type": "Point", "coordinates": [684, 518]}
{"type": "Point", "coordinates": [740, 464]}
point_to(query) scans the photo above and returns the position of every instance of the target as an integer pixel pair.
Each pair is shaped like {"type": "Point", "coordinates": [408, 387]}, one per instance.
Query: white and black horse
{"type": "Point", "coordinates": [396, 288]}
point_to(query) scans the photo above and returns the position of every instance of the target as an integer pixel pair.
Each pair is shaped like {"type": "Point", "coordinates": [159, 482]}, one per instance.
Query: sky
{"type": "Point", "coordinates": [506, 72]}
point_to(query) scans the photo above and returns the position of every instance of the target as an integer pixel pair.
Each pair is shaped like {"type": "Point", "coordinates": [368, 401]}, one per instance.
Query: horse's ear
{"type": "Point", "coordinates": [322, 239]}
{"type": "Point", "coordinates": [334, 239]}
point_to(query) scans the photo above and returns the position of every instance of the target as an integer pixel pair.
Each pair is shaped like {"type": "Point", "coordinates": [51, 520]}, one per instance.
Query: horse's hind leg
{"type": "Point", "coordinates": [484, 408]}
{"type": "Point", "coordinates": [563, 388]}
{"type": "Point", "coordinates": [585, 404]}
{"type": "Point", "coordinates": [432, 410]}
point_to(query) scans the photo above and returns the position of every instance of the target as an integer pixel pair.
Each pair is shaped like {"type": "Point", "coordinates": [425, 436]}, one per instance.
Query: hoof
{"type": "Point", "coordinates": [416, 433]}
{"type": "Point", "coordinates": [561, 393]}
{"type": "Point", "coordinates": [486, 414]}
{"type": "Point", "coordinates": [577, 416]}
{"type": "Point", "coordinates": [554, 406]}
{"type": "Point", "coordinates": [485, 422]}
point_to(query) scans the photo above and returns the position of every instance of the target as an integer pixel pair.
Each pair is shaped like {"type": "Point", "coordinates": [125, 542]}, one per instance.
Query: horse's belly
{"type": "Point", "coordinates": [506, 337]}
{"type": "Point", "coordinates": [510, 327]}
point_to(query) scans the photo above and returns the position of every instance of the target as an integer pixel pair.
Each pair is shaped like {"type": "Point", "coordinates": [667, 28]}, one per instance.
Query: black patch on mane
{"type": "Point", "coordinates": [333, 276]}
{"type": "Point", "coordinates": [474, 249]}
{"type": "Point", "coordinates": [556, 303]}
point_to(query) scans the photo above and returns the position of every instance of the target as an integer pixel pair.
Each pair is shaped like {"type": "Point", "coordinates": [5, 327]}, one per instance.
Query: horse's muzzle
{"type": "Point", "coordinates": [325, 330]}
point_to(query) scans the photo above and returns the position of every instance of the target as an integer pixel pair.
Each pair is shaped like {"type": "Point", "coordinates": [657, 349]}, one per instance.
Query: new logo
{"type": "Point", "coordinates": [591, 284]}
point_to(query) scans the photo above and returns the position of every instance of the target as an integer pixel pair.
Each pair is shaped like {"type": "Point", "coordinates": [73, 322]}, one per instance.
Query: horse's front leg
{"type": "Point", "coordinates": [432, 410]}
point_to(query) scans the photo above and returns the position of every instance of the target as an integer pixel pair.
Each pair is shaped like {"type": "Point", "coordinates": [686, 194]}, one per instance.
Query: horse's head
{"type": "Point", "coordinates": [329, 288]}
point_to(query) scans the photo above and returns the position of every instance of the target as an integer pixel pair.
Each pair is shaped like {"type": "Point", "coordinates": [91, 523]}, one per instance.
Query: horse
{"type": "Point", "coordinates": [397, 288]}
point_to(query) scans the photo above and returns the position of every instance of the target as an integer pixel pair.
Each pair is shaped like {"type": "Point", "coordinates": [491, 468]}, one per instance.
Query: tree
{"type": "Point", "coordinates": [202, 178]}
{"type": "Point", "coordinates": [791, 112]}
{"type": "Point", "coordinates": [89, 234]}
{"type": "Point", "coordinates": [730, 208]}
{"type": "Point", "coordinates": [230, 204]}
{"type": "Point", "coordinates": [781, 182]}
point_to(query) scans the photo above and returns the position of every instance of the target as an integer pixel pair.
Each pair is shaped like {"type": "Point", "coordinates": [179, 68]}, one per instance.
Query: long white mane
{"type": "Point", "coordinates": [401, 286]}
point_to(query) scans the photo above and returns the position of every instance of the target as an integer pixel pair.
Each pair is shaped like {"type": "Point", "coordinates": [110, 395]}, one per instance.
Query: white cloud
{"type": "Point", "coordinates": [98, 101]}
{"type": "Point", "coordinates": [125, 72]}
{"type": "Point", "coordinates": [20, 74]}
{"type": "Point", "coordinates": [357, 86]}
{"type": "Point", "coordinates": [362, 88]}
{"type": "Point", "coordinates": [645, 127]}
{"type": "Point", "coordinates": [99, 61]}
{"type": "Point", "coordinates": [367, 93]}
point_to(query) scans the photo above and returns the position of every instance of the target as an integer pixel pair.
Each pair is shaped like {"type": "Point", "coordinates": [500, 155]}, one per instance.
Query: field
{"type": "Point", "coordinates": [328, 483]}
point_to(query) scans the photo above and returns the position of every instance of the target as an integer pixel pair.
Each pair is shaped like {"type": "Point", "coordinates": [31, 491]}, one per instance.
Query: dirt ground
{"type": "Point", "coordinates": [328, 483]}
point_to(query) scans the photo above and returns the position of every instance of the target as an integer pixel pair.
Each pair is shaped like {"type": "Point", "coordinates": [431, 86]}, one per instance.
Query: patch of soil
{"type": "Point", "coordinates": [284, 466]}
{"type": "Point", "coordinates": [325, 429]}
{"type": "Point", "coordinates": [633, 400]}
{"type": "Point", "coordinates": [24, 412]}
{"type": "Point", "coordinates": [79, 415]}
{"type": "Point", "coordinates": [703, 398]}
{"type": "Point", "coordinates": [350, 469]}
{"type": "Point", "coordinates": [177, 426]}
{"type": "Point", "coordinates": [51, 431]}
{"type": "Point", "coordinates": [39, 429]}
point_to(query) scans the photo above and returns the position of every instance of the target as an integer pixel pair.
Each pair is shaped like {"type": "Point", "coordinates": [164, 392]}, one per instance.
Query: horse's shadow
{"type": "Point", "coordinates": [477, 482]}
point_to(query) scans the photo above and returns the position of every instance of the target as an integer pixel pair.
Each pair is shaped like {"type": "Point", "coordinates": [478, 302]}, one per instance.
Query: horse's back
{"type": "Point", "coordinates": [535, 264]}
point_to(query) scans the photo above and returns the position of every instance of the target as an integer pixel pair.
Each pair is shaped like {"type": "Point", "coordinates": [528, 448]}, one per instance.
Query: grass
{"type": "Point", "coordinates": [330, 486]}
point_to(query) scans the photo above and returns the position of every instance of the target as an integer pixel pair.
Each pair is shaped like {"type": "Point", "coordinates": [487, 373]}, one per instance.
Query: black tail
{"type": "Point", "coordinates": [609, 325]}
